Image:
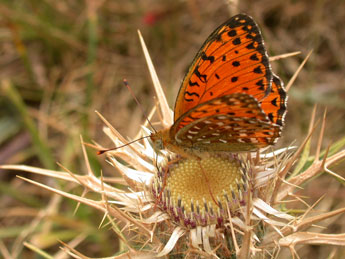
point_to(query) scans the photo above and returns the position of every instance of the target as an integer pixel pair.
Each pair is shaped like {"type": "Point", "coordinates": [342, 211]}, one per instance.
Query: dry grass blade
{"type": "Point", "coordinates": [293, 78]}
{"type": "Point", "coordinates": [100, 205]}
{"type": "Point", "coordinates": [303, 238]}
{"type": "Point", "coordinates": [306, 150]}
{"type": "Point", "coordinates": [286, 55]}
{"type": "Point", "coordinates": [37, 250]}
{"type": "Point", "coordinates": [314, 169]}
{"type": "Point", "coordinates": [277, 193]}
{"type": "Point", "coordinates": [4, 251]}
{"type": "Point", "coordinates": [270, 239]}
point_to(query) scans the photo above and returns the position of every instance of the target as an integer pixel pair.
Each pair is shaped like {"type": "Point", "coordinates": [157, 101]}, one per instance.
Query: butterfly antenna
{"type": "Point", "coordinates": [102, 151]}
{"type": "Point", "coordinates": [136, 100]}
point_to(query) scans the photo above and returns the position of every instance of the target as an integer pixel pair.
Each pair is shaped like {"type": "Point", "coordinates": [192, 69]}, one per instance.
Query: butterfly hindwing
{"type": "Point", "coordinates": [238, 125]}
{"type": "Point", "coordinates": [274, 105]}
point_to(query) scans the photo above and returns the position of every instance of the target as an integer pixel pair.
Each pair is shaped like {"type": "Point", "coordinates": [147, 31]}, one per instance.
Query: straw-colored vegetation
{"type": "Point", "coordinates": [62, 60]}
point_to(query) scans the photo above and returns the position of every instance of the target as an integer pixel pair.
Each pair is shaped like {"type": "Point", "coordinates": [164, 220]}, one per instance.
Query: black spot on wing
{"type": "Point", "coordinates": [191, 94]}
{"type": "Point", "coordinates": [261, 85]}
{"type": "Point", "coordinates": [250, 46]}
{"type": "Point", "coordinates": [236, 41]}
{"type": "Point", "coordinates": [274, 102]}
{"type": "Point", "coordinates": [193, 83]}
{"type": "Point", "coordinates": [202, 77]}
{"type": "Point", "coordinates": [258, 70]}
{"type": "Point", "coordinates": [205, 57]}
{"type": "Point", "coordinates": [232, 33]}
{"type": "Point", "coordinates": [236, 63]}
{"type": "Point", "coordinates": [254, 57]}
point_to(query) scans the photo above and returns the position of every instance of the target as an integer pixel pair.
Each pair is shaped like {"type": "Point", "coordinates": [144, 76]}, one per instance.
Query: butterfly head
{"type": "Point", "coordinates": [159, 139]}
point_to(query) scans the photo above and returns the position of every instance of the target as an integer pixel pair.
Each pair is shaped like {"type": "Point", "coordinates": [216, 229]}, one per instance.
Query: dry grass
{"type": "Point", "coordinates": [62, 60]}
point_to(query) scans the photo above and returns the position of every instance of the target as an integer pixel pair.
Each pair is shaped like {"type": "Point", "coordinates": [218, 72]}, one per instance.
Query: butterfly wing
{"type": "Point", "coordinates": [233, 59]}
{"type": "Point", "coordinates": [229, 123]}
{"type": "Point", "coordinates": [274, 105]}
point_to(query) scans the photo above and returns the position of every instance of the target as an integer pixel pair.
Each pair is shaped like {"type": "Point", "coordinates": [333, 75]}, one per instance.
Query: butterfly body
{"type": "Point", "coordinates": [230, 100]}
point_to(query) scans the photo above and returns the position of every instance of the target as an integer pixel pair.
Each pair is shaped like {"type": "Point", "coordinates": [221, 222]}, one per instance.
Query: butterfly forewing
{"type": "Point", "coordinates": [232, 60]}
{"type": "Point", "coordinates": [239, 125]}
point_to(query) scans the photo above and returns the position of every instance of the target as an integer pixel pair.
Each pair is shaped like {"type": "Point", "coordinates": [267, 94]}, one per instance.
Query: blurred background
{"type": "Point", "coordinates": [62, 60]}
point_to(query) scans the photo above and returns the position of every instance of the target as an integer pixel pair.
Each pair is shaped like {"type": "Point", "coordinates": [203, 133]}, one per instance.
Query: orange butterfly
{"type": "Point", "coordinates": [230, 100]}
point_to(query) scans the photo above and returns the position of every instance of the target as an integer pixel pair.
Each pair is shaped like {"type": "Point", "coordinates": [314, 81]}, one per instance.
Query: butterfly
{"type": "Point", "coordinates": [229, 100]}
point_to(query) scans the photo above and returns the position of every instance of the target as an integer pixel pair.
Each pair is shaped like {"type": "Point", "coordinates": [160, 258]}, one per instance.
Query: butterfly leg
{"type": "Point", "coordinates": [165, 176]}
{"type": "Point", "coordinates": [165, 173]}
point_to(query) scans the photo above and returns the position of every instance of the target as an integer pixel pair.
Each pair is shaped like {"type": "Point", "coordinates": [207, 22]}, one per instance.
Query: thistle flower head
{"type": "Point", "coordinates": [200, 192]}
